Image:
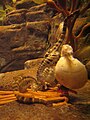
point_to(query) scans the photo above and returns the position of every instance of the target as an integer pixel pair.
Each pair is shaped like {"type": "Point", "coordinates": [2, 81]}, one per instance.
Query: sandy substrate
{"type": "Point", "coordinates": [77, 109]}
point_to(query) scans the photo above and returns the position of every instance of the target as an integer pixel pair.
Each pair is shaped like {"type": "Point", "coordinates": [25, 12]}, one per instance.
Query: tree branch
{"type": "Point", "coordinates": [62, 3]}
{"type": "Point", "coordinates": [71, 19]}
{"type": "Point", "coordinates": [81, 33]}
{"type": "Point", "coordinates": [72, 5]}
{"type": "Point", "coordinates": [59, 9]}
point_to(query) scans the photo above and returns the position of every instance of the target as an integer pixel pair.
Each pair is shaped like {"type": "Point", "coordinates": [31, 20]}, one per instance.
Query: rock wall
{"type": "Point", "coordinates": [23, 36]}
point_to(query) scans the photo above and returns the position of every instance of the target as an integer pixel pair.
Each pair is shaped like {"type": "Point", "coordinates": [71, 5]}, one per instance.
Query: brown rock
{"type": "Point", "coordinates": [43, 7]}
{"type": "Point", "coordinates": [15, 17]}
{"type": "Point", "coordinates": [32, 63]}
{"type": "Point", "coordinates": [24, 36]}
{"type": "Point", "coordinates": [36, 13]}
{"type": "Point", "coordinates": [19, 43]}
{"type": "Point", "coordinates": [26, 4]}
{"type": "Point", "coordinates": [36, 16]}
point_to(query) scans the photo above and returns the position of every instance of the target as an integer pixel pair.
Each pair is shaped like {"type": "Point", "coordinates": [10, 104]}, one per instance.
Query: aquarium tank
{"type": "Point", "coordinates": [45, 59]}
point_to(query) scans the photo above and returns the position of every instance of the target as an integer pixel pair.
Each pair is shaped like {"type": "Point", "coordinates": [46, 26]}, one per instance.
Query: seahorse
{"type": "Point", "coordinates": [45, 72]}
{"type": "Point", "coordinates": [21, 83]}
{"type": "Point", "coordinates": [46, 68]}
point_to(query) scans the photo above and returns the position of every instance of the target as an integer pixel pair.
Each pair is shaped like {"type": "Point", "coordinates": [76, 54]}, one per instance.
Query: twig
{"type": "Point", "coordinates": [47, 93]}
{"type": "Point", "coordinates": [6, 96]}
{"type": "Point", "coordinates": [59, 9]}
{"type": "Point", "coordinates": [72, 5]}
{"type": "Point", "coordinates": [6, 92]}
{"type": "Point", "coordinates": [46, 97]}
{"type": "Point", "coordinates": [81, 33]}
{"type": "Point", "coordinates": [7, 101]}
{"type": "Point", "coordinates": [26, 98]}
{"type": "Point", "coordinates": [59, 103]}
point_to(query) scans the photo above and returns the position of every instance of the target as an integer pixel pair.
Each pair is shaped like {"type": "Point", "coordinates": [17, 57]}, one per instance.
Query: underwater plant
{"type": "Point", "coordinates": [71, 9]}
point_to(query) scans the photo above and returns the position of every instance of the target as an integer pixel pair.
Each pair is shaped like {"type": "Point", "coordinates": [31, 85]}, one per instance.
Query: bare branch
{"type": "Point", "coordinates": [59, 9]}
{"type": "Point", "coordinates": [83, 29]}
{"type": "Point", "coordinates": [74, 15]}
{"type": "Point", "coordinates": [72, 5]}
{"type": "Point", "coordinates": [62, 3]}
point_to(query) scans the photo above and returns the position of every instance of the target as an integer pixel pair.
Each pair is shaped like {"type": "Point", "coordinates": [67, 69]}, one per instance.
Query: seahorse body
{"type": "Point", "coordinates": [47, 65]}
{"type": "Point", "coordinates": [50, 59]}
{"type": "Point", "coordinates": [21, 83]}
{"type": "Point", "coordinates": [45, 72]}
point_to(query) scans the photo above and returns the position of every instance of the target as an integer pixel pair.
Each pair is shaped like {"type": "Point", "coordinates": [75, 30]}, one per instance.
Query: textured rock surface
{"type": "Point", "coordinates": [22, 42]}
{"type": "Point", "coordinates": [24, 36]}
{"type": "Point", "coordinates": [25, 4]}
{"type": "Point", "coordinates": [35, 13]}
{"type": "Point", "coordinates": [32, 63]}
